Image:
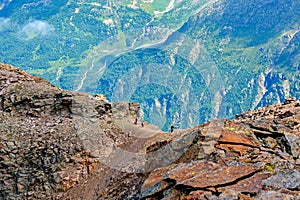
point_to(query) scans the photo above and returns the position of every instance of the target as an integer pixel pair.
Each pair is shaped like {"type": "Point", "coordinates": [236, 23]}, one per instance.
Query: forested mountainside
{"type": "Point", "coordinates": [227, 58]}
{"type": "Point", "coordinates": [185, 62]}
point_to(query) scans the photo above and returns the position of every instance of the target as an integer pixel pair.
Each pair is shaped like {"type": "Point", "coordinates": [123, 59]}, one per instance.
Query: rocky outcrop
{"type": "Point", "coordinates": [35, 125]}
{"type": "Point", "coordinates": [52, 140]}
{"type": "Point", "coordinates": [57, 144]}
{"type": "Point", "coordinates": [255, 156]}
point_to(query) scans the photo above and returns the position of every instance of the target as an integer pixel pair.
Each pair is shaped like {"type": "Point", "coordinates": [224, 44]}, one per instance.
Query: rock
{"type": "Point", "coordinates": [274, 195]}
{"type": "Point", "coordinates": [252, 185]}
{"type": "Point", "coordinates": [201, 174]}
{"type": "Point", "coordinates": [285, 180]}
{"type": "Point", "coordinates": [198, 194]}
{"type": "Point", "coordinates": [155, 183]}
{"type": "Point", "coordinates": [239, 139]}
{"type": "Point", "coordinates": [57, 144]}
{"type": "Point", "coordinates": [10, 144]}
{"type": "Point", "coordinates": [289, 101]}
{"type": "Point", "coordinates": [293, 142]}
{"type": "Point", "coordinates": [246, 153]}
{"type": "Point", "coordinates": [244, 197]}
{"type": "Point", "coordinates": [204, 175]}
{"type": "Point", "coordinates": [230, 194]}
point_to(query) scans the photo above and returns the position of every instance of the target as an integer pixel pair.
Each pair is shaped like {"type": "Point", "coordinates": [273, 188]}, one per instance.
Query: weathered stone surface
{"type": "Point", "coordinates": [57, 144]}
{"type": "Point", "coordinates": [230, 137]}
{"type": "Point", "coordinates": [252, 185]}
{"type": "Point", "coordinates": [198, 194]}
{"type": "Point", "coordinates": [201, 174]}
{"type": "Point", "coordinates": [51, 140]}
{"type": "Point", "coordinates": [284, 180]}
{"type": "Point", "coordinates": [250, 155]}
{"type": "Point", "coordinates": [274, 195]}
{"type": "Point", "coordinates": [212, 177]}
{"type": "Point", "coordinates": [155, 182]}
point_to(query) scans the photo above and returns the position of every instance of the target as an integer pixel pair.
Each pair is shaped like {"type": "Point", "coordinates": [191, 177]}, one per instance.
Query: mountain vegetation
{"type": "Point", "coordinates": [185, 62]}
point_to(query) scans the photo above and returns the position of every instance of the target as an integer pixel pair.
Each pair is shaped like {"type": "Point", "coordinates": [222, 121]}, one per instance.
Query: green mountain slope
{"type": "Point", "coordinates": [243, 56]}
{"type": "Point", "coordinates": [185, 61]}
{"type": "Point", "coordinates": [62, 40]}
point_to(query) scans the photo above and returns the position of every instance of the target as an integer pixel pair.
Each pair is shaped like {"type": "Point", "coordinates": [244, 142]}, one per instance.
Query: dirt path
{"type": "Point", "coordinates": [100, 179]}
{"type": "Point", "coordinates": [137, 131]}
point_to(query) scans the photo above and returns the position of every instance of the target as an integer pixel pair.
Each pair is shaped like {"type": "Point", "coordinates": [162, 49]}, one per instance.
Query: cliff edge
{"type": "Point", "coordinates": [57, 144]}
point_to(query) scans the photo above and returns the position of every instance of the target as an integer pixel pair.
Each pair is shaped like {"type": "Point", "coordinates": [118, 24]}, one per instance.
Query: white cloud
{"type": "Point", "coordinates": [4, 3]}
{"type": "Point", "coordinates": [36, 28]}
{"type": "Point", "coordinates": [4, 23]}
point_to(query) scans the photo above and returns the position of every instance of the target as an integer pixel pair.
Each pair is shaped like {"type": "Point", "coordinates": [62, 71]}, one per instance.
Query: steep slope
{"type": "Point", "coordinates": [57, 144]}
{"type": "Point", "coordinates": [255, 156]}
{"type": "Point", "coordinates": [182, 60]}
{"type": "Point", "coordinates": [67, 41]}
{"type": "Point", "coordinates": [228, 58]}
{"type": "Point", "coordinates": [51, 140]}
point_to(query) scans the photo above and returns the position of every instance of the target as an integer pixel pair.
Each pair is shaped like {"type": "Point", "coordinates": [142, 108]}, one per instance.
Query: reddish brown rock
{"type": "Point", "coordinates": [231, 137]}
{"type": "Point", "coordinates": [189, 171]}
{"type": "Point", "coordinates": [200, 174]}
{"type": "Point", "coordinates": [155, 182]}
{"type": "Point", "coordinates": [251, 185]}
{"type": "Point", "coordinates": [54, 144]}
{"type": "Point", "coordinates": [217, 177]}
{"type": "Point", "coordinates": [235, 149]}
{"type": "Point", "coordinates": [198, 194]}
{"type": "Point", "coordinates": [247, 154]}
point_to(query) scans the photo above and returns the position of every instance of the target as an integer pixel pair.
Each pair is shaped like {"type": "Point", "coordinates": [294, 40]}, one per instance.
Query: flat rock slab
{"type": "Point", "coordinates": [201, 175]}
{"type": "Point", "coordinates": [285, 180]}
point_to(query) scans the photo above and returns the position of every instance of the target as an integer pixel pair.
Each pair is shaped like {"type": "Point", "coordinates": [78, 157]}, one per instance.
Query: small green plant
{"type": "Point", "coordinates": [230, 128]}
{"type": "Point", "coordinates": [269, 168]}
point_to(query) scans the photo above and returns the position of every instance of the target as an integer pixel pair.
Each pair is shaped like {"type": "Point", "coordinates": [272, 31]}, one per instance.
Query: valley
{"type": "Point", "coordinates": [185, 62]}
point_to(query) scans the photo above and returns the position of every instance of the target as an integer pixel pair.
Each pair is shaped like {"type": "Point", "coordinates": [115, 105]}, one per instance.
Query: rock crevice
{"type": "Point", "coordinates": [57, 144]}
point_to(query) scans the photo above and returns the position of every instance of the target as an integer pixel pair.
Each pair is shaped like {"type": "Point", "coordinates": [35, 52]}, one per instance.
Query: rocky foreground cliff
{"type": "Point", "coordinates": [57, 144]}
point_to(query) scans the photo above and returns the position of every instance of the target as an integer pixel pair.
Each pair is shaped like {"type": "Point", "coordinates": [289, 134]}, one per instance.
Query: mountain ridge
{"type": "Point", "coordinates": [57, 144]}
{"type": "Point", "coordinates": [212, 45]}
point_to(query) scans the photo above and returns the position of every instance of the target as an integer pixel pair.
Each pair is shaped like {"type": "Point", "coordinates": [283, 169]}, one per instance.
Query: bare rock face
{"type": "Point", "coordinates": [38, 140]}
{"type": "Point", "coordinates": [57, 144]}
{"type": "Point", "coordinates": [52, 141]}
{"type": "Point", "coordinates": [255, 156]}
